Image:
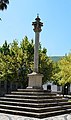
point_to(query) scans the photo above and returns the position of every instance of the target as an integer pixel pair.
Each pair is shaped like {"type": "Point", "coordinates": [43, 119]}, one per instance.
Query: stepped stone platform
{"type": "Point", "coordinates": [35, 103]}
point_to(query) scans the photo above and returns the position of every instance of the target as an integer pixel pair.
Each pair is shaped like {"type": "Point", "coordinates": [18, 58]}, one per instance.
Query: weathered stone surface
{"type": "Point", "coordinates": [35, 103]}
{"type": "Point", "coordinates": [35, 80]}
{"type": "Point", "coordinates": [16, 117]}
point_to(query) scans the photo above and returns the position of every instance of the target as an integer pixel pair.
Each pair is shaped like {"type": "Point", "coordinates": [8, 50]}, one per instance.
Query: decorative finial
{"type": "Point", "coordinates": [37, 15]}
{"type": "Point", "coordinates": [37, 24]}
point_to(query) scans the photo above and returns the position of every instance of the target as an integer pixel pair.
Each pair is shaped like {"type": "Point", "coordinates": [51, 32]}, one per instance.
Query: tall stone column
{"type": "Point", "coordinates": [35, 78]}
{"type": "Point", "coordinates": [37, 29]}
{"type": "Point", "coordinates": [36, 56]}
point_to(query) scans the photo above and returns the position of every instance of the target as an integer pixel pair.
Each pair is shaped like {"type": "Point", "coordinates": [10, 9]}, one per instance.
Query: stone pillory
{"type": "Point", "coordinates": [35, 78]}
{"type": "Point", "coordinates": [37, 29]}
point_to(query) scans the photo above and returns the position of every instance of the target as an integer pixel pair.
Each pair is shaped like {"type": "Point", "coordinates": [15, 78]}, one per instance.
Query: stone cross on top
{"type": "Point", "coordinates": [37, 29]}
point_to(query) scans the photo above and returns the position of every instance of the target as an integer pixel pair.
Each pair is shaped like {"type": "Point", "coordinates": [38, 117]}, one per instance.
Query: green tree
{"type": "Point", "coordinates": [63, 75]}
{"type": "Point", "coordinates": [16, 61]}
{"type": "Point", "coordinates": [55, 77]}
{"type": "Point", "coordinates": [5, 48]}
{"type": "Point", "coordinates": [28, 52]}
{"type": "Point", "coordinates": [45, 65]}
{"type": "Point", "coordinates": [5, 67]}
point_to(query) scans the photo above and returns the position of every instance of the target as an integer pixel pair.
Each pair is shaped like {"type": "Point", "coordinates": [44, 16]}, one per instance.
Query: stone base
{"type": "Point", "coordinates": [35, 80]}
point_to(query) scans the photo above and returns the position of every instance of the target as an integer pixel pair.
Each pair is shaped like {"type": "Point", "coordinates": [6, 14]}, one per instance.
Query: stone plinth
{"type": "Point", "coordinates": [35, 80]}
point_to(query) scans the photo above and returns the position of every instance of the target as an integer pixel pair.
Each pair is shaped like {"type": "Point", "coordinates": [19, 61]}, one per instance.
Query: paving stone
{"type": "Point", "coordinates": [16, 117]}
{"type": "Point", "coordinates": [69, 117]}
{"type": "Point", "coordinates": [4, 118]}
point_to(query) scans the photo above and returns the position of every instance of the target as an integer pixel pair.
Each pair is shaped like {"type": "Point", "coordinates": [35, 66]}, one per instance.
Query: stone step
{"type": "Point", "coordinates": [33, 100]}
{"type": "Point", "coordinates": [28, 104]}
{"type": "Point", "coordinates": [34, 103]}
{"type": "Point", "coordinates": [35, 110]}
{"type": "Point", "coordinates": [33, 93]}
{"type": "Point", "coordinates": [40, 105]}
{"type": "Point", "coordinates": [35, 115]}
{"type": "Point", "coordinates": [33, 97]}
{"type": "Point", "coordinates": [33, 90]}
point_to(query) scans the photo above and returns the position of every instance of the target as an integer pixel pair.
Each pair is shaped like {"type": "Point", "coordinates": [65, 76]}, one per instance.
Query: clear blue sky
{"type": "Point", "coordinates": [55, 15]}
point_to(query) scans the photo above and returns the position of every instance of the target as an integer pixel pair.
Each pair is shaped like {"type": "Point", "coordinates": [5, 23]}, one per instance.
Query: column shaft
{"type": "Point", "coordinates": [36, 48]}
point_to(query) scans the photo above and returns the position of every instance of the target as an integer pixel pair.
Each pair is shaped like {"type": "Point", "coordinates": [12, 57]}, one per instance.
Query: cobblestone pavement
{"type": "Point", "coordinates": [16, 117]}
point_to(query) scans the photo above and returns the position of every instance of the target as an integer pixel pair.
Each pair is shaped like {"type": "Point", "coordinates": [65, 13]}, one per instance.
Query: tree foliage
{"type": "Point", "coordinates": [3, 4]}
{"type": "Point", "coordinates": [5, 49]}
{"type": "Point", "coordinates": [45, 65]}
{"type": "Point", "coordinates": [63, 70]}
{"type": "Point", "coordinates": [16, 61]}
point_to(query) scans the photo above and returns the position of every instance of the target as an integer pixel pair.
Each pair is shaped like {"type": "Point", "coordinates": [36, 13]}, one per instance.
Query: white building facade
{"type": "Point", "coordinates": [50, 86]}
